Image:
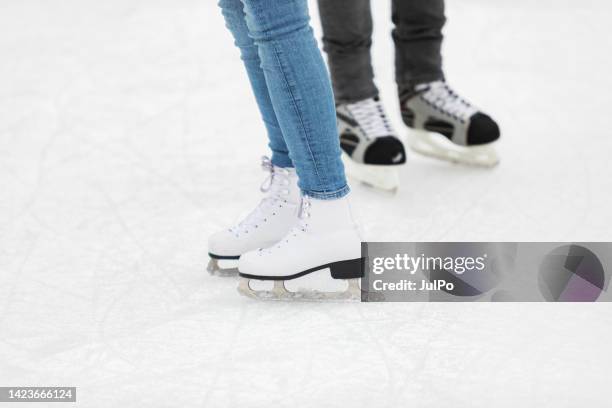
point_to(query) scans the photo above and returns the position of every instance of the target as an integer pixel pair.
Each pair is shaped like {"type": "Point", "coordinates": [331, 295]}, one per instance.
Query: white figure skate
{"type": "Point", "coordinates": [446, 126]}
{"type": "Point", "coordinates": [275, 215]}
{"type": "Point", "coordinates": [371, 149]}
{"type": "Point", "coordinates": [325, 241]}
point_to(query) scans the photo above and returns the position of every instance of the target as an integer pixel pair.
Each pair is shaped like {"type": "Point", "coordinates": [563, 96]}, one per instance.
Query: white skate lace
{"type": "Point", "coordinates": [276, 188]}
{"type": "Point", "coordinates": [370, 114]}
{"type": "Point", "coordinates": [439, 95]}
{"type": "Point", "coordinates": [300, 228]}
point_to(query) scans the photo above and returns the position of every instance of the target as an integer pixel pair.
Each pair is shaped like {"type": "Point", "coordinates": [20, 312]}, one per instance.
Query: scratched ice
{"type": "Point", "coordinates": [128, 134]}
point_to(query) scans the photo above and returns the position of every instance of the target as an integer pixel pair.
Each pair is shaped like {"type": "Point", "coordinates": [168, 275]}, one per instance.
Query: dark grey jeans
{"type": "Point", "coordinates": [347, 38]}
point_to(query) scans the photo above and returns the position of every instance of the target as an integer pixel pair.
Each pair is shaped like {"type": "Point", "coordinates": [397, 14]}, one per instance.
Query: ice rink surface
{"type": "Point", "coordinates": [128, 134]}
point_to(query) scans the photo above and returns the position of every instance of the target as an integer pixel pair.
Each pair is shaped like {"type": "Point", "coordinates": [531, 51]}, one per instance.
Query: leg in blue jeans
{"type": "Point", "coordinates": [235, 20]}
{"type": "Point", "coordinates": [297, 85]}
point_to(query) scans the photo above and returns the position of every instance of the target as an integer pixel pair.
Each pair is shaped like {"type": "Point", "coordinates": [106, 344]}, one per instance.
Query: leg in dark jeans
{"type": "Point", "coordinates": [347, 38]}
{"type": "Point", "coordinates": [418, 39]}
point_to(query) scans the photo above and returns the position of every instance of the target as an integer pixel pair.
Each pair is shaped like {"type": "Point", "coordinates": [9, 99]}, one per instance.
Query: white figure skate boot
{"type": "Point", "coordinates": [275, 215]}
{"type": "Point", "coordinates": [325, 239]}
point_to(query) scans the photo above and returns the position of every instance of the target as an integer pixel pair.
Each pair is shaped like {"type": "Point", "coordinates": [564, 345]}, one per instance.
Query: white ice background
{"type": "Point", "coordinates": [128, 134]}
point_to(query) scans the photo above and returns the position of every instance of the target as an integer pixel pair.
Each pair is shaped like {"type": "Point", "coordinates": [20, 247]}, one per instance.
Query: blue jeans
{"type": "Point", "coordinates": [292, 89]}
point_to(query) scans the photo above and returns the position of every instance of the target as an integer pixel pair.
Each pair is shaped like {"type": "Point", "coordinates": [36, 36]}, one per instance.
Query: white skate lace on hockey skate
{"type": "Point", "coordinates": [439, 95]}
{"type": "Point", "coordinates": [276, 188]}
{"type": "Point", "coordinates": [371, 117]}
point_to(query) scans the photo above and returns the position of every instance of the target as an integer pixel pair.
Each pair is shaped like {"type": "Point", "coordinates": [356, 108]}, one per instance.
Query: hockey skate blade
{"type": "Point", "coordinates": [313, 287]}
{"type": "Point", "coordinates": [438, 146]}
{"type": "Point", "coordinates": [217, 267]}
{"type": "Point", "coordinates": [378, 176]}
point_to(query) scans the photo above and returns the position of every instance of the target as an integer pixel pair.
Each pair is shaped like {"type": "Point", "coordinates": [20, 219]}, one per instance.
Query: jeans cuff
{"type": "Point", "coordinates": [356, 96]}
{"type": "Point", "coordinates": [406, 85]}
{"type": "Point", "coordinates": [328, 195]}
